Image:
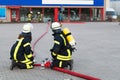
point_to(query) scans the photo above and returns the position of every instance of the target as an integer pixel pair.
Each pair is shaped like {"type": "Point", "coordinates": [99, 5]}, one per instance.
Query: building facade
{"type": "Point", "coordinates": [53, 12]}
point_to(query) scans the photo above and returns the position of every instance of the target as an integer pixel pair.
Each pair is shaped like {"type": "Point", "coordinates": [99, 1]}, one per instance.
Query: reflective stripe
{"type": "Point", "coordinates": [68, 51]}
{"type": "Point", "coordinates": [30, 55]}
{"type": "Point", "coordinates": [56, 42]}
{"type": "Point", "coordinates": [63, 39]}
{"type": "Point", "coordinates": [54, 53]}
{"type": "Point", "coordinates": [61, 57]}
{"type": "Point", "coordinates": [16, 49]}
{"type": "Point", "coordinates": [26, 44]}
{"type": "Point", "coordinates": [26, 59]}
{"type": "Point", "coordinates": [64, 57]}
{"type": "Point", "coordinates": [60, 64]}
{"type": "Point", "coordinates": [29, 66]}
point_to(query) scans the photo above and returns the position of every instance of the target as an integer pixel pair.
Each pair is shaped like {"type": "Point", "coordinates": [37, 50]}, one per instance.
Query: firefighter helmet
{"type": "Point", "coordinates": [27, 27]}
{"type": "Point", "coordinates": [56, 25]}
{"type": "Point", "coordinates": [38, 12]}
{"type": "Point", "coordinates": [31, 12]}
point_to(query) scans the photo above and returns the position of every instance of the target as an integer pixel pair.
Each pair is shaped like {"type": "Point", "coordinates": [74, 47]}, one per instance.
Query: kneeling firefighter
{"type": "Point", "coordinates": [61, 51]}
{"type": "Point", "coordinates": [21, 54]}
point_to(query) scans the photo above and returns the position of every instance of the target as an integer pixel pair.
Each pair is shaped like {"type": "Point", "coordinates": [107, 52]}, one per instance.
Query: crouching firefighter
{"type": "Point", "coordinates": [21, 54]}
{"type": "Point", "coordinates": [61, 51]}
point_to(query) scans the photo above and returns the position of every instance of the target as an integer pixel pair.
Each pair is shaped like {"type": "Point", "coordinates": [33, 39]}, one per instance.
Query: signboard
{"type": "Point", "coordinates": [2, 13]}
{"type": "Point", "coordinates": [52, 2]}
{"type": "Point", "coordinates": [74, 2]}
{"type": "Point", "coordinates": [21, 2]}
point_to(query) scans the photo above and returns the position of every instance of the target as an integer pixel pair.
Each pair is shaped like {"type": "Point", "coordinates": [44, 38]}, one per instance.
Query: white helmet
{"type": "Point", "coordinates": [55, 26]}
{"type": "Point", "coordinates": [31, 12]}
{"type": "Point", "coordinates": [38, 12]}
{"type": "Point", "coordinates": [27, 27]}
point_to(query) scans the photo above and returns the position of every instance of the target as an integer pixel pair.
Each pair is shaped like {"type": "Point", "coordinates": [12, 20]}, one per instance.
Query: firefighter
{"type": "Point", "coordinates": [30, 16]}
{"type": "Point", "coordinates": [61, 54]}
{"type": "Point", "coordinates": [21, 55]}
{"type": "Point", "coordinates": [39, 16]}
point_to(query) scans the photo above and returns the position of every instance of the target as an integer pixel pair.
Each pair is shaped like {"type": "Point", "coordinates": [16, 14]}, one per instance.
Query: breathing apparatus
{"type": "Point", "coordinates": [66, 33]}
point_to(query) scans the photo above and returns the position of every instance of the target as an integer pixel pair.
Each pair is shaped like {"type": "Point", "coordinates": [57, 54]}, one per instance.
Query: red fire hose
{"type": "Point", "coordinates": [75, 74]}
{"type": "Point", "coordinates": [70, 72]}
{"type": "Point", "coordinates": [33, 47]}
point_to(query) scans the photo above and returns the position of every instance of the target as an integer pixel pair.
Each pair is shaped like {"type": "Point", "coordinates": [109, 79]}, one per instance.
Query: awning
{"type": "Point", "coordinates": [13, 7]}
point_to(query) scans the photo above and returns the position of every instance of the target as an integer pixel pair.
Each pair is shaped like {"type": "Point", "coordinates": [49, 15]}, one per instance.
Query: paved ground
{"type": "Point", "coordinates": [98, 51]}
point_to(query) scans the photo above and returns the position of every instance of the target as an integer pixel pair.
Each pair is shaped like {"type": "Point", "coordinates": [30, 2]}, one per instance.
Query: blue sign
{"type": "Point", "coordinates": [68, 2]}
{"type": "Point", "coordinates": [52, 2]}
{"type": "Point", "coordinates": [99, 2]}
{"type": "Point", "coordinates": [21, 2]}
{"type": "Point", "coordinates": [2, 13]}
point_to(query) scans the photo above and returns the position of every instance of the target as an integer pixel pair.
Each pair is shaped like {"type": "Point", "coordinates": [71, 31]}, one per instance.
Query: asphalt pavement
{"type": "Point", "coordinates": [97, 54]}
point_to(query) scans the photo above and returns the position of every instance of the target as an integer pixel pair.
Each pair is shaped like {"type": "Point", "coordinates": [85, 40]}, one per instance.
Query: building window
{"type": "Point", "coordinates": [23, 14]}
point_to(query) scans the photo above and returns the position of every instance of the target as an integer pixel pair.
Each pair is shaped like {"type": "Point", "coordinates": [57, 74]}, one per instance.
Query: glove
{"type": "Point", "coordinates": [73, 48]}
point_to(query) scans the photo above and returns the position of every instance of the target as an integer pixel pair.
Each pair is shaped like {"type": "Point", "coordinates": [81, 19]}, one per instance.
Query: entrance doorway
{"type": "Point", "coordinates": [14, 15]}
{"type": "Point", "coordinates": [85, 14]}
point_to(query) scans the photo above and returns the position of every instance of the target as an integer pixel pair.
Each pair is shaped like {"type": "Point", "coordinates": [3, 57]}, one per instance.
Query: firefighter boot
{"type": "Point", "coordinates": [70, 64]}
{"type": "Point", "coordinates": [13, 64]}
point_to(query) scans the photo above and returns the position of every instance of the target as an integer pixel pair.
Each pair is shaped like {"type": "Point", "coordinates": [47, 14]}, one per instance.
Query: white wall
{"type": "Point", "coordinates": [107, 3]}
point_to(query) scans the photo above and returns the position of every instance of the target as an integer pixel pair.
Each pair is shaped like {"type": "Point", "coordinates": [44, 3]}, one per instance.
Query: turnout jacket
{"type": "Point", "coordinates": [60, 50]}
{"type": "Point", "coordinates": [21, 50]}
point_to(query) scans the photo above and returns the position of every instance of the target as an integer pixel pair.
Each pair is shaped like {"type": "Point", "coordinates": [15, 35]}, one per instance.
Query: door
{"type": "Point", "coordinates": [15, 15]}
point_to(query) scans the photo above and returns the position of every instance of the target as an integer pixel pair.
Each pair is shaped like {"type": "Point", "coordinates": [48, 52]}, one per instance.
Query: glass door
{"type": "Point", "coordinates": [14, 15]}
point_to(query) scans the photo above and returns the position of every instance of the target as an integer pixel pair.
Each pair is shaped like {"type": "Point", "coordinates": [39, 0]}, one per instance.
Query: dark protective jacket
{"type": "Point", "coordinates": [21, 50]}
{"type": "Point", "coordinates": [60, 50]}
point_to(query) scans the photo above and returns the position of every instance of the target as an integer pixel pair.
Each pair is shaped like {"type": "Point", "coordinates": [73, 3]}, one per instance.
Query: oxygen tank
{"type": "Point", "coordinates": [69, 36]}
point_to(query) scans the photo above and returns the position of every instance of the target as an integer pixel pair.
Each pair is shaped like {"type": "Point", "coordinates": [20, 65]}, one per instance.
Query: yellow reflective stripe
{"type": "Point", "coordinates": [64, 59]}
{"type": "Point", "coordinates": [56, 42]}
{"type": "Point", "coordinates": [60, 57]}
{"type": "Point", "coordinates": [26, 59]}
{"type": "Point", "coordinates": [60, 64]}
{"type": "Point", "coordinates": [16, 49]}
{"type": "Point", "coordinates": [29, 56]}
{"type": "Point", "coordinates": [68, 51]}
{"type": "Point", "coordinates": [54, 53]}
{"type": "Point", "coordinates": [63, 39]}
{"type": "Point", "coordinates": [29, 65]}
{"type": "Point", "coordinates": [26, 44]}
